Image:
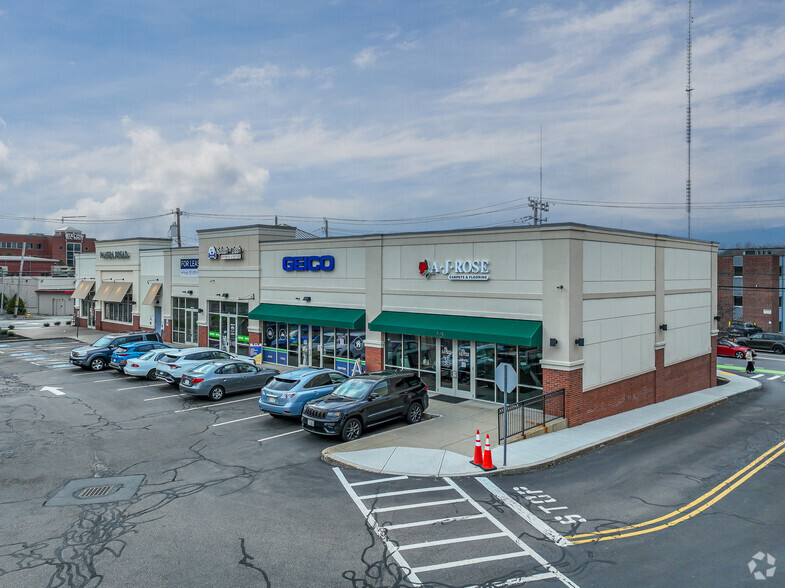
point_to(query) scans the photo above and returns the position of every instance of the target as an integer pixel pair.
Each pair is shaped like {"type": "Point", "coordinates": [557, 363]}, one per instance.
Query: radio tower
{"type": "Point", "coordinates": [689, 117]}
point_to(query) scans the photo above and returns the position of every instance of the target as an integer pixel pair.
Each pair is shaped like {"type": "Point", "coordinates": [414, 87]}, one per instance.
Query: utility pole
{"type": "Point", "coordinates": [179, 241]}
{"type": "Point", "coordinates": [19, 281]}
{"type": "Point", "coordinates": [536, 204]}
{"type": "Point", "coordinates": [689, 119]}
{"type": "Point", "coordinates": [326, 233]}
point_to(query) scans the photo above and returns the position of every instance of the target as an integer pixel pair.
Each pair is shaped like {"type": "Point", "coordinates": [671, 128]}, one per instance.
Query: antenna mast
{"type": "Point", "coordinates": [689, 118]}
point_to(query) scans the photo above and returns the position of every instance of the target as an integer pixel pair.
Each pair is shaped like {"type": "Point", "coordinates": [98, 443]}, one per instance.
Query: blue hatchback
{"type": "Point", "coordinates": [122, 354]}
{"type": "Point", "coordinates": [287, 393]}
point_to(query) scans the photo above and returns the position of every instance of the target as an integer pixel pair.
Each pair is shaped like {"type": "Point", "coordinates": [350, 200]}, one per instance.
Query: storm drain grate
{"type": "Point", "coordinates": [97, 490]}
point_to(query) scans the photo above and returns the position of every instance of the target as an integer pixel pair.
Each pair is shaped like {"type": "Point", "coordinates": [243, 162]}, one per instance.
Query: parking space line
{"type": "Point", "coordinates": [435, 522]}
{"type": "Point", "coordinates": [142, 386]}
{"type": "Point", "coordinates": [468, 562]}
{"type": "Point", "coordinates": [256, 416]}
{"type": "Point", "coordinates": [216, 404]}
{"type": "Point", "coordinates": [281, 435]}
{"type": "Point", "coordinates": [107, 380]}
{"type": "Point", "coordinates": [160, 397]}
{"type": "Point", "coordinates": [418, 505]}
{"type": "Point", "coordinates": [402, 492]}
{"type": "Point", "coordinates": [380, 480]}
{"type": "Point", "coordinates": [527, 516]}
{"type": "Point", "coordinates": [451, 541]}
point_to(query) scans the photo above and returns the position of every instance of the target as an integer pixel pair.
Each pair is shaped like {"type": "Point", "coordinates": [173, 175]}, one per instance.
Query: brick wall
{"type": "Point", "coordinates": [686, 376]}
{"type": "Point", "coordinates": [202, 336]}
{"type": "Point", "coordinates": [724, 290]}
{"type": "Point", "coordinates": [760, 277]}
{"type": "Point", "coordinates": [374, 359]}
{"type": "Point", "coordinates": [166, 330]}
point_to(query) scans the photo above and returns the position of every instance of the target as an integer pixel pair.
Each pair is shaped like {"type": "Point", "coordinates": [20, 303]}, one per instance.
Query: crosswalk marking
{"type": "Point", "coordinates": [433, 522]}
{"type": "Point", "coordinates": [419, 505]}
{"type": "Point", "coordinates": [380, 481]}
{"type": "Point", "coordinates": [449, 541]}
{"type": "Point", "coordinates": [468, 562]}
{"type": "Point", "coordinates": [756, 377]}
{"type": "Point", "coordinates": [404, 492]}
{"type": "Point", "coordinates": [774, 377]}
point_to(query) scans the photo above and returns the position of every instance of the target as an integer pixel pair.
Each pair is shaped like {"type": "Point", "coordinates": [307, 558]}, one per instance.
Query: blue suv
{"type": "Point", "coordinates": [287, 393]}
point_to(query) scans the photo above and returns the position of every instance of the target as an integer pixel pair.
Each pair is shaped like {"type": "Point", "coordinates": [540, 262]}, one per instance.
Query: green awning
{"type": "Point", "coordinates": [472, 328]}
{"type": "Point", "coordinates": [342, 318]}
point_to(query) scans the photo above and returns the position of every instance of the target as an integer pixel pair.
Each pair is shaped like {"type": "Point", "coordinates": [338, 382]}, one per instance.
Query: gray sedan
{"type": "Point", "coordinates": [214, 379]}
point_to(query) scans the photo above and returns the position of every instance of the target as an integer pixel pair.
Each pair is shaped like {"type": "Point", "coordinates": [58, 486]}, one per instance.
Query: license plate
{"type": "Point", "coordinates": [271, 399]}
{"type": "Point", "coordinates": [310, 422]}
{"type": "Point", "coordinates": [186, 381]}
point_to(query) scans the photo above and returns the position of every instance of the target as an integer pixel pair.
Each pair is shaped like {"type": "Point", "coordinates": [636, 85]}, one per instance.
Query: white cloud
{"type": "Point", "coordinates": [367, 57]}
{"type": "Point", "coordinates": [246, 76]}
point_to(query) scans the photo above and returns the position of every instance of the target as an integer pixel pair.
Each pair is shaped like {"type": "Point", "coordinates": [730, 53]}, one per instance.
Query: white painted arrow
{"type": "Point", "coordinates": [53, 390]}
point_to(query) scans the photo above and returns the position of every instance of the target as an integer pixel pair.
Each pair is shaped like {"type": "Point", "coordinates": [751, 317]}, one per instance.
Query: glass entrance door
{"type": "Point", "coordinates": [91, 315]}
{"type": "Point", "coordinates": [228, 330]}
{"type": "Point", "coordinates": [455, 368]}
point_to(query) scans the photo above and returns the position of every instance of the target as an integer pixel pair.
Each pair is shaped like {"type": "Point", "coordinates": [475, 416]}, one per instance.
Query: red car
{"type": "Point", "coordinates": [731, 349]}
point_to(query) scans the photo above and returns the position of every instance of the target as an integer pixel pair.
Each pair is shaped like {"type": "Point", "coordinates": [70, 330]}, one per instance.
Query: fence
{"type": "Point", "coordinates": [530, 413]}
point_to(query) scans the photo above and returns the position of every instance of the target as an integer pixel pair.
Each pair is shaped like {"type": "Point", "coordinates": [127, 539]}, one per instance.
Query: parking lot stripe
{"type": "Point", "coordinates": [527, 516]}
{"type": "Point", "coordinates": [107, 380]}
{"type": "Point", "coordinates": [256, 416]}
{"type": "Point", "coordinates": [402, 492]}
{"type": "Point", "coordinates": [281, 435]}
{"type": "Point", "coordinates": [451, 541]}
{"type": "Point", "coordinates": [468, 562]}
{"type": "Point", "coordinates": [379, 531]}
{"type": "Point", "coordinates": [142, 386]}
{"type": "Point", "coordinates": [418, 505]}
{"type": "Point", "coordinates": [435, 522]}
{"type": "Point", "coordinates": [517, 581]}
{"type": "Point", "coordinates": [160, 397]}
{"type": "Point", "coordinates": [216, 404]}
{"type": "Point", "coordinates": [380, 480]}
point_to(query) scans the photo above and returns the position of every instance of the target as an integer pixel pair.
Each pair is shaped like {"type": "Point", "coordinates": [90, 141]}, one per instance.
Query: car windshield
{"type": "Point", "coordinates": [103, 341]}
{"type": "Point", "coordinates": [169, 357]}
{"type": "Point", "coordinates": [205, 368]}
{"type": "Point", "coordinates": [281, 384]}
{"type": "Point", "coordinates": [148, 355]}
{"type": "Point", "coordinates": [354, 388]}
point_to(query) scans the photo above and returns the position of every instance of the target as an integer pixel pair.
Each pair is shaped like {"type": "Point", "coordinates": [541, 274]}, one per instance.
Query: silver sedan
{"type": "Point", "coordinates": [215, 379]}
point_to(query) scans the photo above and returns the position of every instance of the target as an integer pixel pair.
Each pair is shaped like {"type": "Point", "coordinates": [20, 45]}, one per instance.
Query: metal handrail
{"type": "Point", "coordinates": [530, 413]}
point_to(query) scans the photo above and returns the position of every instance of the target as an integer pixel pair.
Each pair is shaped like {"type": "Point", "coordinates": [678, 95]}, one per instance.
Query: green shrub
{"type": "Point", "coordinates": [67, 322]}
{"type": "Point", "coordinates": [9, 307]}
{"type": "Point", "coordinates": [10, 327]}
{"type": "Point", "coordinates": [57, 323]}
{"type": "Point", "coordinates": [46, 324]}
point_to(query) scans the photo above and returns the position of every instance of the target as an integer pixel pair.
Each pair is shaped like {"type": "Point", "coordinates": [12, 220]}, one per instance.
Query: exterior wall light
{"type": "Point", "coordinates": [306, 298]}
{"type": "Point", "coordinates": [663, 327]}
{"type": "Point", "coordinates": [554, 342]}
{"type": "Point", "coordinates": [579, 342]}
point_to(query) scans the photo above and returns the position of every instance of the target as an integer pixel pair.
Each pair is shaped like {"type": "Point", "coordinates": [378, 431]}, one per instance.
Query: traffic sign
{"type": "Point", "coordinates": [506, 378]}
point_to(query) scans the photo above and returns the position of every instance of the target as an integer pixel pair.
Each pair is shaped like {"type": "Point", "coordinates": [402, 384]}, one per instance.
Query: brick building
{"type": "Point", "coordinates": [749, 287]}
{"type": "Point", "coordinates": [44, 254]}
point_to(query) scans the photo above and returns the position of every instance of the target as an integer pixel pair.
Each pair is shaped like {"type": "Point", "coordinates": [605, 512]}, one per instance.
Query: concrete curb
{"type": "Point", "coordinates": [741, 386]}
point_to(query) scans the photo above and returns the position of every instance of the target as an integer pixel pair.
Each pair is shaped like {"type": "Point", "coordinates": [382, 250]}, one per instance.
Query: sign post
{"type": "Point", "coordinates": [506, 380]}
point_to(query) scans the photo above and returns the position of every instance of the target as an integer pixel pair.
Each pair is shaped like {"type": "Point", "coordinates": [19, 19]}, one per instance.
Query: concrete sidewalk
{"type": "Point", "coordinates": [444, 446]}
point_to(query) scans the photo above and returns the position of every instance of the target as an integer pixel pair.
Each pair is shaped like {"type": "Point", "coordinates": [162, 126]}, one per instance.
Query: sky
{"type": "Point", "coordinates": [391, 116]}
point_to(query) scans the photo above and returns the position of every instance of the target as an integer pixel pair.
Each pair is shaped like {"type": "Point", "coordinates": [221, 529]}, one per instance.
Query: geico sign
{"type": "Point", "coordinates": [309, 263]}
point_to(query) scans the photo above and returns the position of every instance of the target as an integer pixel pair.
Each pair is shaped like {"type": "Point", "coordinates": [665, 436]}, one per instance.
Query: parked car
{"type": "Point", "coordinates": [215, 379]}
{"type": "Point", "coordinates": [764, 342]}
{"type": "Point", "coordinates": [97, 356]}
{"type": "Point", "coordinates": [287, 393]}
{"type": "Point", "coordinates": [730, 349]}
{"type": "Point", "coordinates": [744, 329]}
{"type": "Point", "coordinates": [131, 350]}
{"type": "Point", "coordinates": [171, 366]}
{"type": "Point", "coordinates": [367, 400]}
{"type": "Point", "coordinates": [144, 366]}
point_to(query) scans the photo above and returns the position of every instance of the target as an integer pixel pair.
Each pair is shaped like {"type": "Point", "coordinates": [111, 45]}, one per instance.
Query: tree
{"type": "Point", "coordinates": [9, 307]}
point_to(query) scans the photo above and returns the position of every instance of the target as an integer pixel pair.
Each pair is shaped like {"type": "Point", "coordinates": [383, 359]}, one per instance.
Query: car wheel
{"type": "Point", "coordinates": [216, 393]}
{"type": "Point", "coordinates": [97, 364]}
{"type": "Point", "coordinates": [739, 355]}
{"type": "Point", "coordinates": [352, 429]}
{"type": "Point", "coordinates": [151, 374]}
{"type": "Point", "coordinates": [779, 350]}
{"type": "Point", "coordinates": [414, 414]}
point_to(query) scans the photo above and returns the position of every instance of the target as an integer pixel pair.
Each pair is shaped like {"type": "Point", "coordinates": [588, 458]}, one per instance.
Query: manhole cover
{"type": "Point", "coordinates": [96, 491]}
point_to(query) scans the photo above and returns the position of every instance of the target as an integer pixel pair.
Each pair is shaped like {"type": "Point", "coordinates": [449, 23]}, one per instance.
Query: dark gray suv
{"type": "Point", "coordinates": [764, 342]}
{"type": "Point", "coordinates": [97, 356]}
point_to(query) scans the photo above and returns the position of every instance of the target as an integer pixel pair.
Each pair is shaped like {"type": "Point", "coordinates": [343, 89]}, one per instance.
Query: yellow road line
{"type": "Point", "coordinates": [777, 450]}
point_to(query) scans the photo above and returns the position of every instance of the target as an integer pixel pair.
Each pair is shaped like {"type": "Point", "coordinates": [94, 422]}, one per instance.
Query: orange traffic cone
{"type": "Point", "coordinates": [477, 450]}
{"type": "Point", "coordinates": [487, 460]}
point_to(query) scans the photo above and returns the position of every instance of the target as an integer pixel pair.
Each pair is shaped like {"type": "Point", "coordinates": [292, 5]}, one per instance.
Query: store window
{"type": "Point", "coordinates": [313, 345]}
{"type": "Point", "coordinates": [525, 360]}
{"type": "Point", "coordinates": [412, 352]}
{"type": "Point", "coordinates": [185, 316]}
{"type": "Point", "coordinates": [227, 327]}
{"type": "Point", "coordinates": [120, 311]}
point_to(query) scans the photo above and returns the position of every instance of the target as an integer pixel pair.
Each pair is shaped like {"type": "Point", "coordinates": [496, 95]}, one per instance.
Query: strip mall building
{"type": "Point", "coordinates": [618, 319]}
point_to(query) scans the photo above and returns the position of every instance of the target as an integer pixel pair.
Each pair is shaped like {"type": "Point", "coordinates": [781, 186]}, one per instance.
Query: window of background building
{"type": "Point", "coordinates": [120, 311]}
{"type": "Point", "coordinates": [185, 315]}
{"type": "Point", "coordinates": [70, 250]}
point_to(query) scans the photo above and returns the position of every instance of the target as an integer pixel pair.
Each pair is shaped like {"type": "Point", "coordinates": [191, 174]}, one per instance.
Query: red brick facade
{"type": "Point", "coordinates": [202, 336]}
{"type": "Point", "coordinates": [760, 289]}
{"type": "Point", "coordinates": [374, 359]}
{"type": "Point", "coordinates": [663, 383]}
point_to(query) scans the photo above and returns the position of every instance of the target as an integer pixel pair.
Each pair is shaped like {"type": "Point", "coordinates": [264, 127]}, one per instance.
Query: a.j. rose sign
{"type": "Point", "coordinates": [459, 269]}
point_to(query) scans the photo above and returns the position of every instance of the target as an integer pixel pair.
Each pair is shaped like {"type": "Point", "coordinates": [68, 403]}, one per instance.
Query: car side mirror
{"type": "Point", "coordinates": [373, 395]}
